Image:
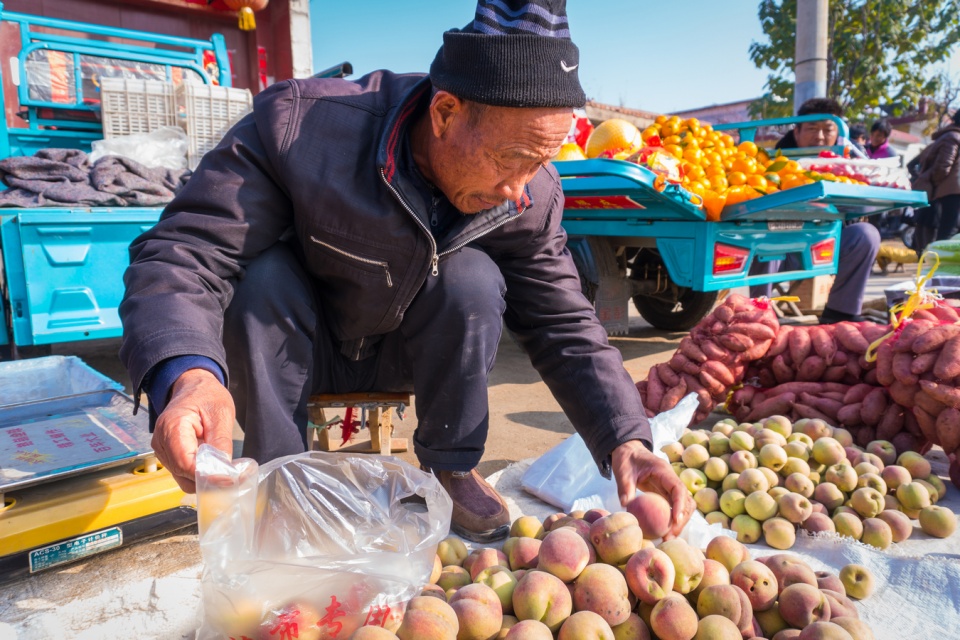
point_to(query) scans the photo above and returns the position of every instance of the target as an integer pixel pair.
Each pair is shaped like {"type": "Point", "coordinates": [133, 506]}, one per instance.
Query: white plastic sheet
{"type": "Point", "coordinates": [163, 147]}
{"type": "Point", "coordinates": [567, 477]}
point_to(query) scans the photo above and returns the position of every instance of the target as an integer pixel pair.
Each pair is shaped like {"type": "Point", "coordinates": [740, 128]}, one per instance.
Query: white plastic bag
{"type": "Point", "coordinates": [163, 147]}
{"type": "Point", "coordinates": [320, 541]}
{"type": "Point", "coordinates": [567, 477]}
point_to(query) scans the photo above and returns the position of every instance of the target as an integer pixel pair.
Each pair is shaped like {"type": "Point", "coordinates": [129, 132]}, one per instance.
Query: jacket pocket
{"type": "Point", "coordinates": [359, 260]}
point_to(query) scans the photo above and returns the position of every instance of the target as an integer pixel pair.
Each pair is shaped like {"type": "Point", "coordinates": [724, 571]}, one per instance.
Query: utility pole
{"type": "Point", "coordinates": [811, 51]}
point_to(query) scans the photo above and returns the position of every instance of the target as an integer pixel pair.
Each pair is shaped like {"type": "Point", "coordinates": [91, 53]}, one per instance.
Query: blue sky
{"type": "Point", "coordinates": [658, 56]}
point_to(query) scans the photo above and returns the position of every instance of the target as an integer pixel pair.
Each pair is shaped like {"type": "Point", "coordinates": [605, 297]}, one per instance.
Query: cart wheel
{"type": "Point", "coordinates": [681, 315]}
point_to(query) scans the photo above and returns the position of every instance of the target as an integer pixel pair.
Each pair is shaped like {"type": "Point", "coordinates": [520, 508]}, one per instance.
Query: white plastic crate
{"type": "Point", "coordinates": [209, 110]}
{"type": "Point", "coordinates": [131, 106]}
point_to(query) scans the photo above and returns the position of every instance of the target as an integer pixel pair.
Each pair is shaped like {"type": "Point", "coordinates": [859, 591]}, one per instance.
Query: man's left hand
{"type": "Point", "coordinates": [636, 467]}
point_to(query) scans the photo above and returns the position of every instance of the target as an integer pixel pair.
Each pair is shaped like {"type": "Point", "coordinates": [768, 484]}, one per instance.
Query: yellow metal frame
{"type": "Point", "coordinates": [47, 513]}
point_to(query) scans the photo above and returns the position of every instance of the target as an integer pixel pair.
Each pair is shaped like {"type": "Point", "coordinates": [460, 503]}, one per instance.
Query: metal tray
{"type": "Point", "coordinates": [50, 377]}
{"type": "Point", "coordinates": [59, 437]}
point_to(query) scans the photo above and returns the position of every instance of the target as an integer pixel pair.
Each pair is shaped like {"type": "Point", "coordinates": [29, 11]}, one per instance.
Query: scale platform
{"type": "Point", "coordinates": [77, 472]}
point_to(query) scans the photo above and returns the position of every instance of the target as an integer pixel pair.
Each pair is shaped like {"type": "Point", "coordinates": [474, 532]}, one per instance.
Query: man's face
{"type": "Point", "coordinates": [816, 134]}
{"type": "Point", "coordinates": [877, 138]}
{"type": "Point", "coordinates": [481, 160]}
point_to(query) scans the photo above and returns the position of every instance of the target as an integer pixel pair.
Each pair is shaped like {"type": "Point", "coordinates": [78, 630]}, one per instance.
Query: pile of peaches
{"type": "Point", "coordinates": [767, 479]}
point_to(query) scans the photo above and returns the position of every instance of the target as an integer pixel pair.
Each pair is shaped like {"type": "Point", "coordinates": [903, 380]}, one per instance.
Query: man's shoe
{"type": "Point", "coordinates": [479, 513]}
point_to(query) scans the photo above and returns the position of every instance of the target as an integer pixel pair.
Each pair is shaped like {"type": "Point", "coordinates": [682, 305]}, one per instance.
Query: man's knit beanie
{"type": "Point", "coordinates": [513, 54]}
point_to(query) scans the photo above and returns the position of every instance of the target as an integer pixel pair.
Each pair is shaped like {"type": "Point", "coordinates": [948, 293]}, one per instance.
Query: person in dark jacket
{"type": "Point", "coordinates": [376, 235]}
{"type": "Point", "coordinates": [859, 242]}
{"type": "Point", "coordinates": [939, 176]}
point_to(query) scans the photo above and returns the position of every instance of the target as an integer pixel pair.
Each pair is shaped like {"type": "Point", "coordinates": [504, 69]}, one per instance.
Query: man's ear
{"type": "Point", "coordinates": [445, 108]}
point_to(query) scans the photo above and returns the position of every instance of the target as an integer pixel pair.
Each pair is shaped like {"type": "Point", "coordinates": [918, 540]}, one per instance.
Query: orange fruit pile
{"type": "Point", "coordinates": [715, 167]}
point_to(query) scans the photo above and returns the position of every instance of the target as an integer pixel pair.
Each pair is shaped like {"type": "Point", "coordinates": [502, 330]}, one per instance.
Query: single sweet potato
{"type": "Point", "coordinates": [799, 344]}
{"type": "Point", "coordinates": [655, 388]}
{"type": "Point", "coordinates": [910, 423]}
{"type": "Point", "coordinates": [811, 369]}
{"type": "Point", "coordinates": [835, 374]}
{"type": "Point", "coordinates": [826, 406]}
{"type": "Point", "coordinates": [901, 364]}
{"type": "Point", "coordinates": [948, 430]}
{"type": "Point", "coordinates": [781, 370]}
{"type": "Point", "coordinates": [735, 342]}
{"type": "Point", "coordinates": [717, 390]}
{"type": "Point", "coordinates": [944, 393]}
{"type": "Point", "coordinates": [945, 313]}
{"type": "Point", "coordinates": [756, 331]}
{"type": "Point", "coordinates": [720, 371]}
{"type": "Point", "coordinates": [935, 338]}
{"type": "Point", "coordinates": [724, 313]}
{"type": "Point", "coordinates": [805, 411]}
{"type": "Point", "coordinates": [715, 352]}
{"type": "Point", "coordinates": [872, 331]}
{"type": "Point", "coordinates": [913, 330]}
{"type": "Point", "coordinates": [873, 407]}
{"type": "Point", "coordinates": [903, 394]}
{"type": "Point", "coordinates": [840, 358]}
{"type": "Point", "coordinates": [891, 423]}
{"type": "Point", "coordinates": [928, 425]}
{"type": "Point", "coordinates": [823, 344]}
{"type": "Point", "coordinates": [781, 342]}
{"type": "Point", "coordinates": [923, 362]}
{"type": "Point", "coordinates": [681, 363]}
{"type": "Point", "coordinates": [771, 406]}
{"type": "Point", "coordinates": [885, 364]}
{"type": "Point", "coordinates": [857, 393]}
{"type": "Point", "coordinates": [928, 403]}
{"type": "Point", "coordinates": [947, 366]}
{"type": "Point", "coordinates": [672, 397]}
{"type": "Point", "coordinates": [849, 415]}
{"type": "Point", "coordinates": [849, 336]}
{"type": "Point", "coordinates": [690, 349]}
{"type": "Point", "coordinates": [668, 376]}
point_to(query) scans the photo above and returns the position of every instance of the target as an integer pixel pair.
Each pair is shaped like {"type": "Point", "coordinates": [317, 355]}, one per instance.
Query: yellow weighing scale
{"type": "Point", "coordinates": [77, 473]}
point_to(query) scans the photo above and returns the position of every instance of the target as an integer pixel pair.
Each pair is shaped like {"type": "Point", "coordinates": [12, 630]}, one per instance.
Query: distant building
{"type": "Point", "coordinates": [719, 113]}
{"type": "Point", "coordinates": [598, 112]}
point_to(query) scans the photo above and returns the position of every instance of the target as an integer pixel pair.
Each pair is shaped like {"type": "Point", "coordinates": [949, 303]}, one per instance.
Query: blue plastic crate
{"type": "Point", "coordinates": [64, 270]}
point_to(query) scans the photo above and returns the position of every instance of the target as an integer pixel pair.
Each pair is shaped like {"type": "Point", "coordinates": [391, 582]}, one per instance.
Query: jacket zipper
{"type": "Point", "coordinates": [434, 262]}
{"type": "Point", "coordinates": [377, 263]}
{"type": "Point", "coordinates": [433, 243]}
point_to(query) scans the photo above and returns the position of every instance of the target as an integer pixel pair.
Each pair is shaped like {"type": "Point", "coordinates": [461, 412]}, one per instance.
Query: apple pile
{"type": "Point", "coordinates": [599, 575]}
{"type": "Point", "coordinates": [765, 479]}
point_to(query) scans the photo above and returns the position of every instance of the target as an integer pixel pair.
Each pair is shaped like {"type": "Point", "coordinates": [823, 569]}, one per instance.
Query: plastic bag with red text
{"type": "Point", "coordinates": [315, 544]}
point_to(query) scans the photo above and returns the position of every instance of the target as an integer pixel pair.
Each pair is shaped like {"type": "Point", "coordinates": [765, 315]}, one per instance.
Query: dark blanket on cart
{"type": "Point", "coordinates": [65, 177]}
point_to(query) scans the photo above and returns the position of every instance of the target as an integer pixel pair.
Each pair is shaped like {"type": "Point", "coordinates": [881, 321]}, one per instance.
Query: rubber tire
{"type": "Point", "coordinates": [659, 312]}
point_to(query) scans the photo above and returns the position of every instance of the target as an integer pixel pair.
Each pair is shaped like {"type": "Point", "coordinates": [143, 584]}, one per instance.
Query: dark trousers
{"type": "Point", "coordinates": [859, 244]}
{"type": "Point", "coordinates": [936, 222]}
{"type": "Point", "coordinates": [280, 351]}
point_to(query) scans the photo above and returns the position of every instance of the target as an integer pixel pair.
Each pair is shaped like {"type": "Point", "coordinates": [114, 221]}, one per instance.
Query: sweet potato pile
{"type": "Point", "coordinates": [909, 395]}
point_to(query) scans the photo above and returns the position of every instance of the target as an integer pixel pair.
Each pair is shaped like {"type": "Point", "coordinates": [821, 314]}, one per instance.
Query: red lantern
{"type": "Point", "coordinates": [246, 9]}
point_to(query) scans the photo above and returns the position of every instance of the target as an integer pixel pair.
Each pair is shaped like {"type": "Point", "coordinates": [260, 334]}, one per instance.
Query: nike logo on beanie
{"type": "Point", "coordinates": [567, 68]}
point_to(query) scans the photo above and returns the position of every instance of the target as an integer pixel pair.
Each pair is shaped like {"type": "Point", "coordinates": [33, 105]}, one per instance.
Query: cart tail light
{"type": "Point", "coordinates": [729, 259]}
{"type": "Point", "coordinates": [822, 252]}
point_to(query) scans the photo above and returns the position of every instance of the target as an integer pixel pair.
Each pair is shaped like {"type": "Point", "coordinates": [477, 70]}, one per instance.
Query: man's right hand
{"type": "Point", "coordinates": [200, 411]}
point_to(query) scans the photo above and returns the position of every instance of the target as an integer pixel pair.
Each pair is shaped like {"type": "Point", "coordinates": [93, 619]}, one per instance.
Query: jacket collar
{"type": "Point", "coordinates": [389, 149]}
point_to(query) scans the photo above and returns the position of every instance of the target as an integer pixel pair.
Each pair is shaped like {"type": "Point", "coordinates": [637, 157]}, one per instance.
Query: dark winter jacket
{"type": "Point", "coordinates": [315, 164]}
{"type": "Point", "coordinates": [940, 164]}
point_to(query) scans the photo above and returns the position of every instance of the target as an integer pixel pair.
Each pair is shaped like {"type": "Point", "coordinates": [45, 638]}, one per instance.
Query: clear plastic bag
{"type": "Point", "coordinates": [882, 172]}
{"type": "Point", "coordinates": [163, 147]}
{"type": "Point", "coordinates": [320, 541]}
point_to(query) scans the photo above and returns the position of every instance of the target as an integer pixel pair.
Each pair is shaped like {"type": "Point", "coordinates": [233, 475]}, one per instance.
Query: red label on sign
{"type": "Point", "coordinates": [602, 202]}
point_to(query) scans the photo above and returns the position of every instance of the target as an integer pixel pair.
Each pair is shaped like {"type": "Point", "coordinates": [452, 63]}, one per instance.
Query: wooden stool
{"type": "Point", "coordinates": [379, 421]}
